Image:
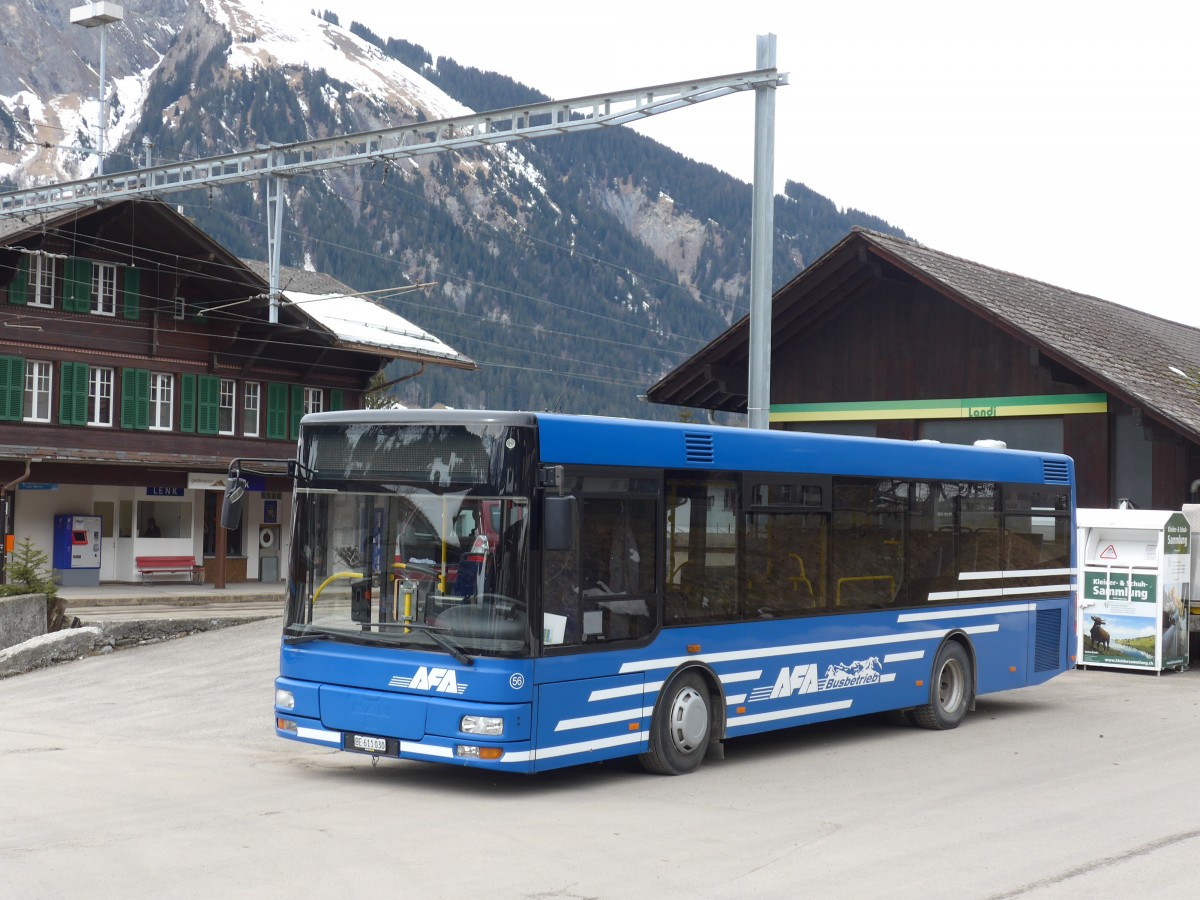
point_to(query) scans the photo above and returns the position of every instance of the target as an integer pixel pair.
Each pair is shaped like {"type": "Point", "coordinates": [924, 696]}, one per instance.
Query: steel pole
{"type": "Point", "coordinates": [103, 43]}
{"type": "Point", "coordinates": [762, 230]}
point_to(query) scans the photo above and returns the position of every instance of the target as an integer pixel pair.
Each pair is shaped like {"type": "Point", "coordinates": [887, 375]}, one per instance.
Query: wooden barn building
{"type": "Point", "coordinates": [884, 337]}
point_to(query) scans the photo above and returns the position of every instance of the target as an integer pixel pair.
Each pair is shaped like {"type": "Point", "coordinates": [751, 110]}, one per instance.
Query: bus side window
{"type": "Point", "coordinates": [701, 542]}
{"type": "Point", "coordinates": [784, 563]}
{"type": "Point", "coordinates": [604, 587]}
{"type": "Point", "coordinates": [868, 542]}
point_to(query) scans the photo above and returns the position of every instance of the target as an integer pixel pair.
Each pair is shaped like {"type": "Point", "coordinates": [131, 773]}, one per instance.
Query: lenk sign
{"type": "Point", "coordinates": [1119, 586]}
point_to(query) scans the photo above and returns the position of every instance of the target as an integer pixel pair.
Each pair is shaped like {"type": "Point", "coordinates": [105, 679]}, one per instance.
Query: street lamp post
{"type": "Point", "coordinates": [89, 16]}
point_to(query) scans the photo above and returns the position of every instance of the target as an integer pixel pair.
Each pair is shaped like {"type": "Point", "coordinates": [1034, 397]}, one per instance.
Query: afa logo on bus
{"type": "Point", "coordinates": [803, 679]}
{"type": "Point", "coordinates": [437, 680]}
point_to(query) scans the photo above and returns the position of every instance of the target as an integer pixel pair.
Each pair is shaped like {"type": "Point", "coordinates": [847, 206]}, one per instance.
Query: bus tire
{"type": "Point", "coordinates": [951, 689]}
{"type": "Point", "coordinates": [681, 727]}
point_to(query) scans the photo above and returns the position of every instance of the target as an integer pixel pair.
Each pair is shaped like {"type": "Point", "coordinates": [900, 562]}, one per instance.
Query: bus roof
{"type": "Point", "coordinates": [603, 441]}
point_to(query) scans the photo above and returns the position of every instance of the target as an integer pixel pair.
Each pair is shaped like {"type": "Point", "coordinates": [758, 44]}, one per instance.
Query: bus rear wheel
{"type": "Point", "coordinates": [951, 689]}
{"type": "Point", "coordinates": [680, 730]}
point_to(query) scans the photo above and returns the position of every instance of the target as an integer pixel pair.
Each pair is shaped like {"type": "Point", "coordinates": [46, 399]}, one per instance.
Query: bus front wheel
{"type": "Point", "coordinates": [950, 691]}
{"type": "Point", "coordinates": [679, 732]}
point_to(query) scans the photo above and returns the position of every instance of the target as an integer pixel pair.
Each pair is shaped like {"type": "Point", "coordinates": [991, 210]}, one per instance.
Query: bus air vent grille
{"type": "Point", "coordinates": [698, 448]}
{"type": "Point", "coordinates": [1047, 649]}
{"type": "Point", "coordinates": [1056, 471]}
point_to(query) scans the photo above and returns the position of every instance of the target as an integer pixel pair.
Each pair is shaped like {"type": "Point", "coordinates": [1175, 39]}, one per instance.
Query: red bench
{"type": "Point", "coordinates": [169, 565]}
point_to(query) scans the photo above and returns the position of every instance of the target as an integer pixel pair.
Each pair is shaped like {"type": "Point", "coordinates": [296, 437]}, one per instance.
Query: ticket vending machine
{"type": "Point", "coordinates": [1134, 589]}
{"type": "Point", "coordinates": [77, 550]}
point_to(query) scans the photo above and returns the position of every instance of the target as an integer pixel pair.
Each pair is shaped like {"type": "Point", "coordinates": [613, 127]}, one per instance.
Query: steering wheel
{"type": "Point", "coordinates": [491, 616]}
{"type": "Point", "coordinates": [501, 604]}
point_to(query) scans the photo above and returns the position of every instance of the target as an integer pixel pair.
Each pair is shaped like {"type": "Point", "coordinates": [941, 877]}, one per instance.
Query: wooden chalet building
{"type": "Point", "coordinates": [884, 337]}
{"type": "Point", "coordinates": [138, 356]}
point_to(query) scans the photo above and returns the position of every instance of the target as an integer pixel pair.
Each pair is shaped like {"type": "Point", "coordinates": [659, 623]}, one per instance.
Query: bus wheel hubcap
{"type": "Point", "coordinates": [689, 720]}
{"type": "Point", "coordinates": [951, 686]}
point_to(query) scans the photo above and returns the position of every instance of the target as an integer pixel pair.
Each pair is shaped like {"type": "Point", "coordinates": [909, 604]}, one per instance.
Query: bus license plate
{"type": "Point", "coordinates": [369, 744]}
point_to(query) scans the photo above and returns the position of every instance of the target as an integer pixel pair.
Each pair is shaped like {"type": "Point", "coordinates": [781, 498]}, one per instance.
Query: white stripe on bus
{"type": "Point", "coordinates": [794, 713]}
{"type": "Point", "coordinates": [319, 734]}
{"type": "Point", "coordinates": [964, 613]}
{"type": "Point", "coordinates": [620, 715]}
{"type": "Point", "coordinates": [1000, 592]}
{"type": "Point", "coordinates": [413, 748]}
{"type": "Point", "coordinates": [903, 657]}
{"type": "Point", "coordinates": [734, 677]}
{"type": "Point", "coordinates": [1015, 573]}
{"type": "Point", "coordinates": [619, 740]}
{"type": "Point", "coordinates": [671, 662]}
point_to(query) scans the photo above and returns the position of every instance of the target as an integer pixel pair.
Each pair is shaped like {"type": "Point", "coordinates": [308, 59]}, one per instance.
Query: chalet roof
{"type": "Point", "coordinates": [1129, 354]}
{"type": "Point", "coordinates": [346, 319]}
{"type": "Point", "coordinates": [359, 322]}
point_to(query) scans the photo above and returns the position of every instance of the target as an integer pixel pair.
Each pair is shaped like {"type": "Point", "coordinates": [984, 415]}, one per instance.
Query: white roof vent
{"type": "Point", "coordinates": [991, 445]}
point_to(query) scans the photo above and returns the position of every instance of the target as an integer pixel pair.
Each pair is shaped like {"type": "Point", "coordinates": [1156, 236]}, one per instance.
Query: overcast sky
{"type": "Point", "coordinates": [1052, 138]}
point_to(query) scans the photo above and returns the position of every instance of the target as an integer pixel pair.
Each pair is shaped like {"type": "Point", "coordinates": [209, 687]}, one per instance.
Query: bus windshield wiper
{"type": "Point", "coordinates": [301, 635]}
{"type": "Point", "coordinates": [320, 634]}
{"type": "Point", "coordinates": [438, 635]}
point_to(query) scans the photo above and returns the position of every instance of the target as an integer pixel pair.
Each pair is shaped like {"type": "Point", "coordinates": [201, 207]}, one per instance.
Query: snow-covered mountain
{"type": "Point", "coordinates": [576, 269]}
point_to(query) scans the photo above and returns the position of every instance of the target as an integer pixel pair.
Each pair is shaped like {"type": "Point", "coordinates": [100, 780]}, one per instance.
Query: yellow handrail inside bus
{"type": "Point", "coordinates": [333, 577]}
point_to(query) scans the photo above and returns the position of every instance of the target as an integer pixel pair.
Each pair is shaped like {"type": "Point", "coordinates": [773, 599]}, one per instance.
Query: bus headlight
{"type": "Point", "coordinates": [284, 699]}
{"type": "Point", "coordinates": [493, 726]}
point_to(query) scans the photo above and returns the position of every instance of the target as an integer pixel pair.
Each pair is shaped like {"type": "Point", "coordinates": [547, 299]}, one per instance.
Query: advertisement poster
{"type": "Point", "coordinates": [1176, 573]}
{"type": "Point", "coordinates": [1120, 618]}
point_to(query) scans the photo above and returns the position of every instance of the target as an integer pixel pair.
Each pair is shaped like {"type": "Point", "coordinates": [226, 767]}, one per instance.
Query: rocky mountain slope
{"type": "Point", "coordinates": [576, 269]}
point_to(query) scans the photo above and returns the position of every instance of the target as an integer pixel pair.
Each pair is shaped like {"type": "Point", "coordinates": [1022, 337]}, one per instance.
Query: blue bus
{"type": "Point", "coordinates": [525, 591]}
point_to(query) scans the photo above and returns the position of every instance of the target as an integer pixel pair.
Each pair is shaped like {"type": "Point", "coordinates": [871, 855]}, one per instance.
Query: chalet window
{"type": "Point", "coordinates": [73, 394]}
{"type": "Point", "coordinates": [250, 406]}
{"type": "Point", "coordinates": [277, 411]}
{"type": "Point", "coordinates": [12, 386]}
{"type": "Point", "coordinates": [135, 399]}
{"type": "Point", "coordinates": [314, 400]}
{"type": "Point", "coordinates": [100, 397]}
{"type": "Point", "coordinates": [226, 403]}
{"type": "Point", "coordinates": [38, 377]}
{"type": "Point", "coordinates": [41, 277]}
{"type": "Point", "coordinates": [104, 289]}
{"type": "Point", "coordinates": [18, 288]}
{"type": "Point", "coordinates": [162, 395]}
{"type": "Point", "coordinates": [77, 285]}
{"type": "Point", "coordinates": [131, 304]}
{"type": "Point", "coordinates": [208, 389]}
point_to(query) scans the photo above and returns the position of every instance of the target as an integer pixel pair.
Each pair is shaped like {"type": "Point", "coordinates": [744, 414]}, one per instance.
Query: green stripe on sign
{"type": "Point", "coordinates": [969, 408]}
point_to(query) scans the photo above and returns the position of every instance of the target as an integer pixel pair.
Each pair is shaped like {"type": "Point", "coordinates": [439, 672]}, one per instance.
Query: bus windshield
{"type": "Point", "coordinates": [422, 548]}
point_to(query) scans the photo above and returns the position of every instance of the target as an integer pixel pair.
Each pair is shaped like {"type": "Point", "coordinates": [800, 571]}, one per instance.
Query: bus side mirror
{"type": "Point", "coordinates": [558, 525]}
{"type": "Point", "coordinates": [231, 509]}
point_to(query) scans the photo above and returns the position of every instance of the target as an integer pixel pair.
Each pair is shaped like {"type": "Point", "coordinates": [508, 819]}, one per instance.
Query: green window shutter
{"type": "Point", "coordinates": [133, 293]}
{"type": "Point", "coordinates": [187, 403]}
{"type": "Point", "coordinates": [12, 387]}
{"type": "Point", "coordinates": [297, 411]}
{"type": "Point", "coordinates": [18, 288]}
{"type": "Point", "coordinates": [77, 285]}
{"type": "Point", "coordinates": [143, 400]}
{"type": "Point", "coordinates": [73, 394]}
{"type": "Point", "coordinates": [277, 411]}
{"type": "Point", "coordinates": [337, 400]}
{"type": "Point", "coordinates": [208, 390]}
{"type": "Point", "coordinates": [135, 399]}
